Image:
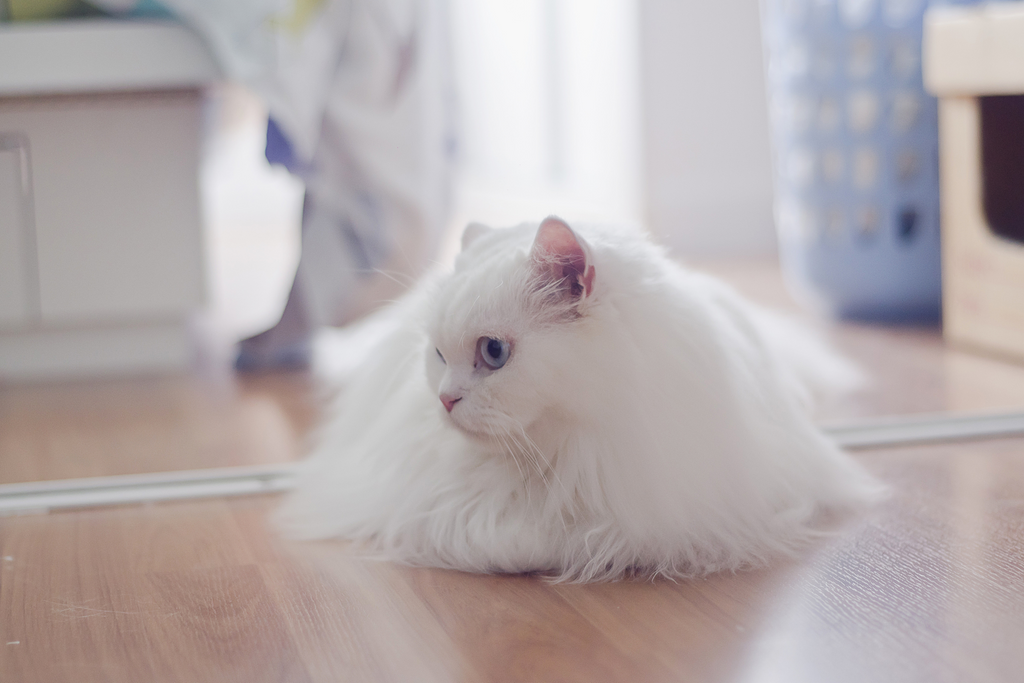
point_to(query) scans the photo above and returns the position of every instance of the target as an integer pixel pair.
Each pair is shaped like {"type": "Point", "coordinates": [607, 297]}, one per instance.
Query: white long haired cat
{"type": "Point", "coordinates": [575, 403]}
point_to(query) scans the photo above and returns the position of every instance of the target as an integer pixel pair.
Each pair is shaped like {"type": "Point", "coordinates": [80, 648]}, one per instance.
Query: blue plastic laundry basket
{"type": "Point", "coordinates": [855, 141]}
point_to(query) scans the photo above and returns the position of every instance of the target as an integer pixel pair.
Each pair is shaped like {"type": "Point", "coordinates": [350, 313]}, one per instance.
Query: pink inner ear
{"type": "Point", "coordinates": [558, 247]}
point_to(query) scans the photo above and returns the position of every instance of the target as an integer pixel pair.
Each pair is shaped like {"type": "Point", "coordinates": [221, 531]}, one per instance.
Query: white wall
{"type": "Point", "coordinates": [549, 109]}
{"type": "Point", "coordinates": [705, 126]}
{"type": "Point", "coordinates": [618, 110]}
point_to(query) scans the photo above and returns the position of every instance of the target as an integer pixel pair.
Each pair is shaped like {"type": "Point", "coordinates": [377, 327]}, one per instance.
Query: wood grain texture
{"type": "Point", "coordinates": [128, 426]}
{"type": "Point", "coordinates": [929, 586]}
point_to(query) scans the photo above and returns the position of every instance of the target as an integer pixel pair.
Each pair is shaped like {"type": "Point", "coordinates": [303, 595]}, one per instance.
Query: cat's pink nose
{"type": "Point", "coordinates": [449, 401]}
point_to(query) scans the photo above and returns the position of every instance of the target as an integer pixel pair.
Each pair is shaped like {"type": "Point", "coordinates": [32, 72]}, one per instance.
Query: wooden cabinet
{"type": "Point", "coordinates": [974, 62]}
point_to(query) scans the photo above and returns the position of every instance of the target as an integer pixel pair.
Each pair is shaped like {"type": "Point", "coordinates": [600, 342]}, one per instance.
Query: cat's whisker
{"type": "Point", "coordinates": [394, 276]}
{"type": "Point", "coordinates": [497, 437]}
{"type": "Point", "coordinates": [532, 454]}
{"type": "Point", "coordinates": [538, 453]}
{"type": "Point", "coordinates": [511, 451]}
{"type": "Point", "coordinates": [537, 462]}
{"type": "Point", "coordinates": [508, 449]}
{"type": "Point", "coordinates": [512, 443]}
{"type": "Point", "coordinates": [537, 457]}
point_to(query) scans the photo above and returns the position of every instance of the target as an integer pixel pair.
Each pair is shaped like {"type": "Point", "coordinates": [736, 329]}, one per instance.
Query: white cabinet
{"type": "Point", "coordinates": [17, 256]}
{"type": "Point", "coordinates": [101, 259]}
{"type": "Point", "coordinates": [116, 202]}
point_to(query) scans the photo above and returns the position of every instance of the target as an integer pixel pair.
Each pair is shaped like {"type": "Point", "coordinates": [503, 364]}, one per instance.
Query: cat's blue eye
{"type": "Point", "coordinates": [441, 357]}
{"type": "Point", "coordinates": [495, 352]}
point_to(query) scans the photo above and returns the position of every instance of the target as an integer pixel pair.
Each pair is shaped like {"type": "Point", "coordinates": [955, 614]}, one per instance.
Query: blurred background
{"type": "Point", "coordinates": [602, 111]}
{"type": "Point", "coordinates": [634, 112]}
{"type": "Point", "coordinates": [193, 191]}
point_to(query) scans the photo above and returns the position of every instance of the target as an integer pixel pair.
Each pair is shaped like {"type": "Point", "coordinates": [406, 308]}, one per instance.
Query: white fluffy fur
{"type": "Point", "coordinates": [655, 425]}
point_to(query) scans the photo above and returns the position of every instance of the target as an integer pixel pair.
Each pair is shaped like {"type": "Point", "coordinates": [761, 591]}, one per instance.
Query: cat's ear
{"type": "Point", "coordinates": [472, 232]}
{"type": "Point", "coordinates": [563, 256]}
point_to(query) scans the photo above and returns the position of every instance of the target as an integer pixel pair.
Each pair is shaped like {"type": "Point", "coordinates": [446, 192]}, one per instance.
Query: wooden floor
{"type": "Point", "coordinates": [128, 426]}
{"type": "Point", "coordinates": [927, 587]}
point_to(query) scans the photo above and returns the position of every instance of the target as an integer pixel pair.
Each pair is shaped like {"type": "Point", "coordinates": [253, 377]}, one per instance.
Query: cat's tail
{"type": "Point", "coordinates": [807, 357]}
{"type": "Point", "coordinates": [339, 352]}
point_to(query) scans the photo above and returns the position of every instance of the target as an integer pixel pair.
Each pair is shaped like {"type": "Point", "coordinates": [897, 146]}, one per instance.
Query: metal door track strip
{"type": "Point", "coordinates": [920, 429]}
{"type": "Point", "coordinates": [43, 496]}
